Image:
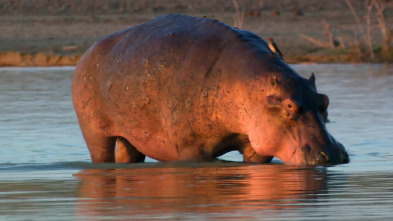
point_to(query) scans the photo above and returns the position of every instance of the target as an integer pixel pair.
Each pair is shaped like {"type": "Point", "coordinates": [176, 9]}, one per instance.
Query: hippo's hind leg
{"type": "Point", "coordinates": [101, 148]}
{"type": "Point", "coordinates": [127, 153]}
{"type": "Point", "coordinates": [100, 143]}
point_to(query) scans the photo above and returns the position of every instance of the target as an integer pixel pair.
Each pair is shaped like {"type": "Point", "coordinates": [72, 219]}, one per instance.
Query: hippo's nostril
{"type": "Point", "coordinates": [321, 158]}
{"type": "Point", "coordinates": [325, 157]}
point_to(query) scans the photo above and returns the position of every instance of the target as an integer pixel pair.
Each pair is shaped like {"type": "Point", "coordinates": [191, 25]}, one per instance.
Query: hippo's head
{"type": "Point", "coordinates": [290, 124]}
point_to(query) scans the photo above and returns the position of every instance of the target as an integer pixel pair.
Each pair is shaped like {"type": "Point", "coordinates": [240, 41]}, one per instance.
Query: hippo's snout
{"type": "Point", "coordinates": [343, 155]}
{"type": "Point", "coordinates": [329, 155]}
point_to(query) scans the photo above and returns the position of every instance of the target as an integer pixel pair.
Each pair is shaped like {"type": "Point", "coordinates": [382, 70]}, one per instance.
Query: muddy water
{"type": "Point", "coordinates": [46, 174]}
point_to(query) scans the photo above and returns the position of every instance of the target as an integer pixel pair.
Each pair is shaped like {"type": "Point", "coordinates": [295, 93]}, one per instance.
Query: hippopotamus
{"type": "Point", "coordinates": [182, 88]}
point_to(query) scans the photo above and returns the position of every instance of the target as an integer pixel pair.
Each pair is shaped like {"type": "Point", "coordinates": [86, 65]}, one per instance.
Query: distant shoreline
{"type": "Point", "coordinates": [19, 59]}
{"type": "Point", "coordinates": [41, 59]}
{"type": "Point", "coordinates": [36, 34]}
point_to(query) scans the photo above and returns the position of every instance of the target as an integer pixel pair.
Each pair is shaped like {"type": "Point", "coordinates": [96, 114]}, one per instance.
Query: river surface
{"type": "Point", "coordinates": [46, 174]}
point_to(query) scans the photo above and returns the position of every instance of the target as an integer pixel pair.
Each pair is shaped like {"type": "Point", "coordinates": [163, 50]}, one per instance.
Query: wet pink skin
{"type": "Point", "coordinates": [187, 88]}
{"type": "Point", "coordinates": [300, 129]}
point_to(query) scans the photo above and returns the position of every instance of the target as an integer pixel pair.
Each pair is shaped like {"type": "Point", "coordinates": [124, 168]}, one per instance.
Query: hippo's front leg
{"type": "Point", "coordinates": [250, 156]}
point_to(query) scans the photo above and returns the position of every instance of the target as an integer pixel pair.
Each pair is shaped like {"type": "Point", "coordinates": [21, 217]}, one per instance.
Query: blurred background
{"type": "Point", "coordinates": [57, 32]}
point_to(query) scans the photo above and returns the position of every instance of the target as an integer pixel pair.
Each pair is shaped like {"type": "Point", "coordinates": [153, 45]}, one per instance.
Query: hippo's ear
{"type": "Point", "coordinates": [312, 80]}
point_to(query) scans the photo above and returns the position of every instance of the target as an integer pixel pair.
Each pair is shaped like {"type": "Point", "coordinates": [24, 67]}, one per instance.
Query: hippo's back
{"type": "Point", "coordinates": [166, 62]}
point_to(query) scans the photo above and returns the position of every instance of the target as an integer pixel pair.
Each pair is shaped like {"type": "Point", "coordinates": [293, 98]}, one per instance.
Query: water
{"type": "Point", "coordinates": [46, 174]}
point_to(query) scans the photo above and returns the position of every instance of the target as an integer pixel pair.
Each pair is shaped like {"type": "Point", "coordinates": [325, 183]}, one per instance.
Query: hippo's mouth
{"type": "Point", "coordinates": [305, 155]}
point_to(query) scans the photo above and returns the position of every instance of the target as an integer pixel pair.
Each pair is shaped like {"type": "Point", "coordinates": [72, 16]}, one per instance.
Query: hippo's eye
{"type": "Point", "coordinates": [289, 106]}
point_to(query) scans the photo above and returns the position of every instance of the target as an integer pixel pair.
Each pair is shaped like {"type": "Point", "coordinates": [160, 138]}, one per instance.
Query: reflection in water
{"type": "Point", "coordinates": [144, 191]}
{"type": "Point", "coordinates": [41, 146]}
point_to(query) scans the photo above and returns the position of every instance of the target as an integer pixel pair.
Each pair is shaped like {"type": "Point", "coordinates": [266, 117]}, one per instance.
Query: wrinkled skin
{"type": "Point", "coordinates": [186, 88]}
